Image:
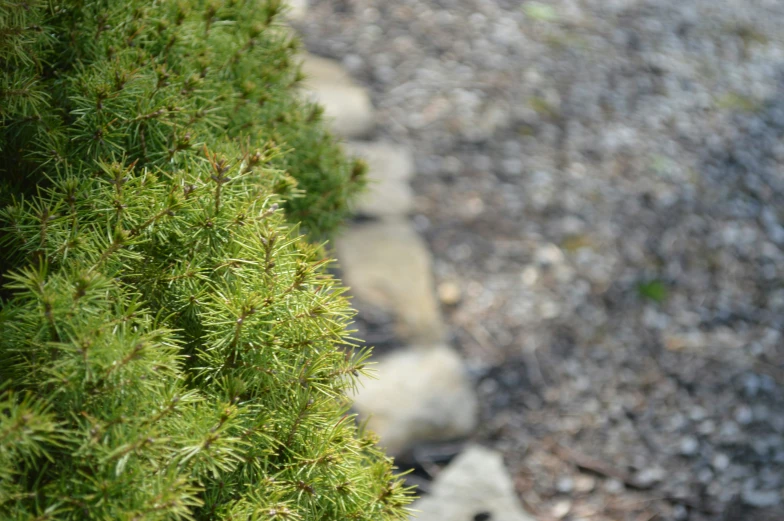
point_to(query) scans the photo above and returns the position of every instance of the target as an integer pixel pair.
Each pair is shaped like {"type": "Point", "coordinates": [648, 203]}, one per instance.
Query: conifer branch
{"type": "Point", "coordinates": [172, 345]}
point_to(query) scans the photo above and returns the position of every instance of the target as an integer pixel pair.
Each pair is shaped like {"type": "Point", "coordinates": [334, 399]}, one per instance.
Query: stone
{"type": "Point", "coordinates": [680, 513]}
{"type": "Point", "coordinates": [584, 483]}
{"type": "Point", "coordinates": [697, 413]}
{"type": "Point", "coordinates": [720, 462]}
{"type": "Point", "coordinates": [390, 169]}
{"type": "Point", "coordinates": [346, 104]}
{"type": "Point", "coordinates": [297, 9]}
{"type": "Point", "coordinates": [759, 498]}
{"type": "Point", "coordinates": [419, 394]}
{"type": "Point", "coordinates": [614, 486]}
{"type": "Point", "coordinates": [650, 476]}
{"type": "Point", "coordinates": [474, 486]}
{"type": "Point", "coordinates": [744, 415]}
{"type": "Point", "coordinates": [512, 166]}
{"type": "Point", "coordinates": [561, 508]}
{"type": "Point", "coordinates": [318, 69]}
{"type": "Point", "coordinates": [707, 427]}
{"type": "Point", "coordinates": [564, 485]}
{"type": "Point", "coordinates": [689, 446]}
{"type": "Point", "coordinates": [484, 122]}
{"type": "Point", "coordinates": [549, 255]}
{"type": "Point", "coordinates": [530, 275]}
{"type": "Point", "coordinates": [449, 293]}
{"type": "Point", "coordinates": [387, 265]}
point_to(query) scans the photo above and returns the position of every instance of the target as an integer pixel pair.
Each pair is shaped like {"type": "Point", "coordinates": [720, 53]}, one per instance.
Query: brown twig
{"type": "Point", "coordinates": [591, 464]}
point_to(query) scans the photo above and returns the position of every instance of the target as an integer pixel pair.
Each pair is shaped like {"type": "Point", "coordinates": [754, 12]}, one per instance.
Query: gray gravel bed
{"type": "Point", "coordinates": [604, 180]}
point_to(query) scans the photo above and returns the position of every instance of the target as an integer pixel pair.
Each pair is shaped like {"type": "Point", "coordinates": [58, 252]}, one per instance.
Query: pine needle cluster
{"type": "Point", "coordinates": [172, 346]}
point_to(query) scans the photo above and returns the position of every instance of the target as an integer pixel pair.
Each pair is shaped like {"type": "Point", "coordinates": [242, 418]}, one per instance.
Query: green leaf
{"type": "Point", "coordinates": [540, 11]}
{"type": "Point", "coordinates": [654, 290]}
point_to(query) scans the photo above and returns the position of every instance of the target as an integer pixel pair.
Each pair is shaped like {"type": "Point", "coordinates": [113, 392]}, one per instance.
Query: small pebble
{"type": "Point", "coordinates": [751, 385]}
{"type": "Point", "coordinates": [707, 427]}
{"type": "Point", "coordinates": [561, 509]}
{"type": "Point", "coordinates": [549, 309]}
{"type": "Point", "coordinates": [760, 413]}
{"type": "Point", "coordinates": [449, 293]}
{"type": "Point", "coordinates": [613, 486]}
{"type": "Point", "coordinates": [689, 446]}
{"type": "Point", "coordinates": [720, 462]}
{"type": "Point", "coordinates": [705, 476]}
{"type": "Point", "coordinates": [564, 485]}
{"type": "Point", "coordinates": [584, 483]}
{"type": "Point", "coordinates": [513, 167]}
{"type": "Point", "coordinates": [761, 499]}
{"type": "Point", "coordinates": [698, 413]}
{"type": "Point", "coordinates": [729, 430]}
{"type": "Point", "coordinates": [530, 275]}
{"type": "Point", "coordinates": [744, 415]}
{"type": "Point", "coordinates": [649, 477]}
{"type": "Point", "coordinates": [549, 255]}
{"type": "Point", "coordinates": [680, 513]}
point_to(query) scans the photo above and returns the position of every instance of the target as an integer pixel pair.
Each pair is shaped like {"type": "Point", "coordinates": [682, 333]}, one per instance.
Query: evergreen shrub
{"type": "Point", "coordinates": [171, 344]}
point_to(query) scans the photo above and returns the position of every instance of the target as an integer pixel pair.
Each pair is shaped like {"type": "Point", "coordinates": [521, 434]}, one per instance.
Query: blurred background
{"type": "Point", "coordinates": [572, 254]}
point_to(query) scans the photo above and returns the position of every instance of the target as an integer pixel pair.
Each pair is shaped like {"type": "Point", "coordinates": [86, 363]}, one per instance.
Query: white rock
{"type": "Point", "coordinates": [346, 104]}
{"type": "Point", "coordinates": [387, 264]}
{"type": "Point", "coordinates": [348, 109]}
{"type": "Point", "coordinates": [390, 168]}
{"type": "Point", "coordinates": [689, 446]}
{"type": "Point", "coordinates": [449, 293]}
{"type": "Point", "coordinates": [530, 275]}
{"type": "Point", "coordinates": [720, 462]}
{"type": "Point", "coordinates": [420, 394]}
{"type": "Point", "coordinates": [324, 70]}
{"type": "Point", "coordinates": [297, 9]}
{"type": "Point", "coordinates": [564, 485]}
{"type": "Point", "coordinates": [561, 509]}
{"type": "Point", "coordinates": [549, 255]}
{"type": "Point", "coordinates": [584, 483]}
{"type": "Point", "coordinates": [394, 161]}
{"type": "Point", "coordinates": [475, 482]}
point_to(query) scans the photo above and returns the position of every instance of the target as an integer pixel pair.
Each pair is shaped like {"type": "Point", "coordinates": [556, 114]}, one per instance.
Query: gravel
{"type": "Point", "coordinates": [603, 181]}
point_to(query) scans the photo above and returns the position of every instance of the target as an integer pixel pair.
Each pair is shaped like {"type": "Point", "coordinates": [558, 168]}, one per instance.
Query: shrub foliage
{"type": "Point", "coordinates": [172, 347]}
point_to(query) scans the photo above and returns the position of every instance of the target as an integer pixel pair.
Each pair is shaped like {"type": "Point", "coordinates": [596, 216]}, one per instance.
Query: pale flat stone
{"type": "Point", "coordinates": [387, 265]}
{"type": "Point", "coordinates": [297, 9]}
{"type": "Point", "coordinates": [323, 70]}
{"type": "Point", "coordinates": [347, 108]}
{"type": "Point", "coordinates": [390, 169]}
{"type": "Point", "coordinates": [420, 394]}
{"type": "Point", "coordinates": [475, 483]}
{"type": "Point", "coordinates": [346, 104]}
{"type": "Point", "coordinates": [391, 161]}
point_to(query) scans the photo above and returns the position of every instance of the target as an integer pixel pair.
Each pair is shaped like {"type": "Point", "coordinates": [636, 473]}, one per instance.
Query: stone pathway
{"type": "Point", "coordinates": [422, 392]}
{"type": "Point", "coordinates": [344, 102]}
{"type": "Point", "coordinates": [474, 486]}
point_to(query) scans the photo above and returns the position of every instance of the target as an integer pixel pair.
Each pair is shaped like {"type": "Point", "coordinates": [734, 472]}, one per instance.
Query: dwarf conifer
{"type": "Point", "coordinates": [171, 344]}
